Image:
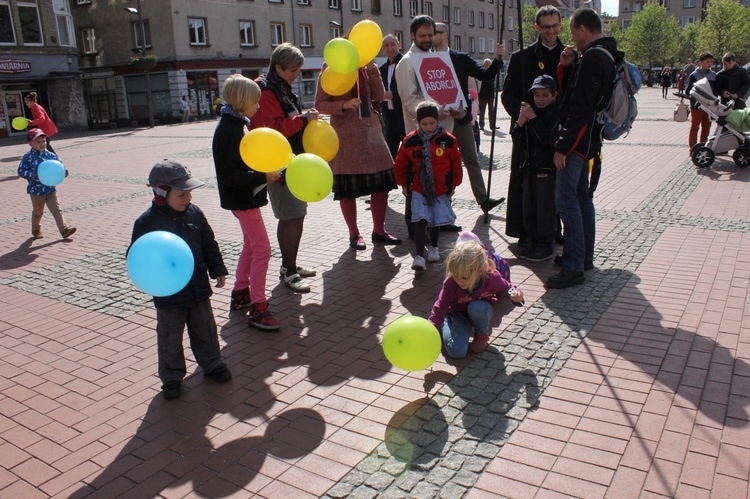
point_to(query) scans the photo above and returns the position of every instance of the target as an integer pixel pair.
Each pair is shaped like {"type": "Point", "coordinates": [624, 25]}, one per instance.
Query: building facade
{"type": "Point", "coordinates": [38, 53]}
{"type": "Point", "coordinates": [76, 54]}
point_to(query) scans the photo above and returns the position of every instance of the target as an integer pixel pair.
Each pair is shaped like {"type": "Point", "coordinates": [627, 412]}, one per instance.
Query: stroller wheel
{"type": "Point", "coordinates": [702, 156]}
{"type": "Point", "coordinates": [741, 157]}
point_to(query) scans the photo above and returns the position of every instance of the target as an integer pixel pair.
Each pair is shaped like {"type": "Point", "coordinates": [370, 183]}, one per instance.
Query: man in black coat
{"type": "Point", "coordinates": [391, 110]}
{"type": "Point", "coordinates": [541, 57]}
{"type": "Point", "coordinates": [732, 82]}
{"type": "Point", "coordinates": [465, 67]}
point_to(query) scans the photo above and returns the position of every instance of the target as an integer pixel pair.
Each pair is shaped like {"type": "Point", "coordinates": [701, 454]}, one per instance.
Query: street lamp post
{"type": "Point", "coordinates": [142, 29]}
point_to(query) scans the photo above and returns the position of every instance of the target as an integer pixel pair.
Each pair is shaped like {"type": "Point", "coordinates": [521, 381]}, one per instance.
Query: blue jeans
{"type": "Point", "coordinates": [576, 209]}
{"type": "Point", "coordinates": [457, 327]}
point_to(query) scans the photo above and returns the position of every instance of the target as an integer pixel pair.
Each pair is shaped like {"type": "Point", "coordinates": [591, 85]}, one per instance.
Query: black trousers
{"type": "Point", "coordinates": [203, 335]}
{"type": "Point", "coordinates": [539, 212]}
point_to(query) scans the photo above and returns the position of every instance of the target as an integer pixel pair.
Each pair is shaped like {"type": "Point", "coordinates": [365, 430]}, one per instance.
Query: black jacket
{"type": "Point", "coordinates": [191, 225]}
{"type": "Point", "coordinates": [537, 60]}
{"type": "Point", "coordinates": [234, 179]}
{"type": "Point", "coordinates": [541, 137]}
{"type": "Point", "coordinates": [393, 118]}
{"type": "Point", "coordinates": [587, 88]}
{"type": "Point", "coordinates": [734, 81]}
{"type": "Point", "coordinates": [465, 66]}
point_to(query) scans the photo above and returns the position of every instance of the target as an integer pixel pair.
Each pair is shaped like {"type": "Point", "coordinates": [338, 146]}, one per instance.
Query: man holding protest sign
{"type": "Point", "coordinates": [465, 67]}
{"type": "Point", "coordinates": [441, 84]}
{"type": "Point", "coordinates": [422, 31]}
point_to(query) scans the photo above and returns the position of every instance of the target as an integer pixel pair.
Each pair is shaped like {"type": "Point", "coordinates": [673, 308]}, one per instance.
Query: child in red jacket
{"type": "Point", "coordinates": [428, 166]}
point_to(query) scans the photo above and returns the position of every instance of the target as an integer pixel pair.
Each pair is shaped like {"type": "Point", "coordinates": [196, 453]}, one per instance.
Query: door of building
{"type": "Point", "coordinates": [12, 107]}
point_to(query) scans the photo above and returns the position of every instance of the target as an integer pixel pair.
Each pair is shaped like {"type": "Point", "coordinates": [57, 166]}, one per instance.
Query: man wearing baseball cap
{"type": "Point", "coordinates": [172, 211]}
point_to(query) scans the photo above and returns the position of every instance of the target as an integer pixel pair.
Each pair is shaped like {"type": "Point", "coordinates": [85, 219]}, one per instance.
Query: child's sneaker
{"type": "Point", "coordinates": [221, 374]}
{"type": "Point", "coordinates": [261, 318]}
{"type": "Point", "coordinates": [479, 344]}
{"type": "Point", "coordinates": [240, 299]}
{"type": "Point", "coordinates": [418, 263]}
{"type": "Point", "coordinates": [66, 232]}
{"type": "Point", "coordinates": [433, 254]}
{"type": "Point", "coordinates": [171, 389]}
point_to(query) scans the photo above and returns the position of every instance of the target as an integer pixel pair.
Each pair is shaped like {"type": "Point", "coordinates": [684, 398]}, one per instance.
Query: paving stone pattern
{"type": "Point", "coordinates": [459, 431]}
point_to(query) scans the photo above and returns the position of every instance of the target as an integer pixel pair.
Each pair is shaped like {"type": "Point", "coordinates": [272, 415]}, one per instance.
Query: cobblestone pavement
{"type": "Point", "coordinates": [633, 384]}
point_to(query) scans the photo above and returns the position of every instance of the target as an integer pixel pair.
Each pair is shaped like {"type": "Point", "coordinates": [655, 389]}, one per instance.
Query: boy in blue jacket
{"type": "Point", "coordinates": [172, 211]}
{"type": "Point", "coordinates": [41, 194]}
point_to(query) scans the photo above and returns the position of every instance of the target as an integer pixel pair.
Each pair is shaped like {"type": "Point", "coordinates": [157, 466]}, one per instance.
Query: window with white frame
{"type": "Point", "coordinates": [333, 4]}
{"type": "Point", "coordinates": [275, 1]}
{"type": "Point", "coordinates": [446, 14]}
{"type": "Point", "coordinates": [335, 32]}
{"type": "Point", "coordinates": [412, 8]}
{"type": "Point", "coordinates": [397, 8]}
{"type": "Point", "coordinates": [375, 9]}
{"type": "Point", "coordinates": [305, 35]}
{"type": "Point", "coordinates": [31, 27]}
{"type": "Point", "coordinates": [303, 2]}
{"type": "Point", "coordinates": [456, 42]}
{"type": "Point", "coordinates": [687, 20]}
{"type": "Point", "coordinates": [428, 8]}
{"type": "Point", "coordinates": [510, 24]}
{"type": "Point", "coordinates": [481, 20]}
{"type": "Point", "coordinates": [399, 36]}
{"type": "Point", "coordinates": [472, 47]}
{"type": "Point", "coordinates": [491, 21]}
{"type": "Point", "coordinates": [247, 33]}
{"type": "Point", "coordinates": [88, 40]}
{"type": "Point", "coordinates": [357, 5]}
{"type": "Point", "coordinates": [665, 4]}
{"type": "Point", "coordinates": [456, 15]}
{"type": "Point", "coordinates": [137, 34]}
{"type": "Point", "coordinates": [687, 4]}
{"type": "Point", "coordinates": [82, 2]}
{"type": "Point", "coordinates": [490, 45]}
{"type": "Point", "coordinates": [64, 21]}
{"type": "Point", "coordinates": [197, 31]}
{"type": "Point", "coordinates": [482, 45]}
{"type": "Point", "coordinates": [277, 34]}
{"type": "Point", "coordinates": [7, 33]}
{"type": "Point", "coordinates": [471, 18]}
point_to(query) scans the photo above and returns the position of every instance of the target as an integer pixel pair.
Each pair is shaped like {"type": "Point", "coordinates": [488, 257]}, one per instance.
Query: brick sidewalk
{"type": "Point", "coordinates": [634, 384]}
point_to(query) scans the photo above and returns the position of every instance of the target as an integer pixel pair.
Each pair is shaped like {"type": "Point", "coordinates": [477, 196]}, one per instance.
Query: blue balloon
{"type": "Point", "coordinates": [51, 172]}
{"type": "Point", "coordinates": [160, 263]}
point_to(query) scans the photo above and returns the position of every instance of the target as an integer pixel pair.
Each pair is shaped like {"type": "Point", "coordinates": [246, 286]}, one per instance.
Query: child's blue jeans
{"type": "Point", "coordinates": [457, 327]}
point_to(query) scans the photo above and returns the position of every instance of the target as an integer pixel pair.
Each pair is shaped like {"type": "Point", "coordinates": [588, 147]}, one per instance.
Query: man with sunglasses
{"type": "Point", "coordinates": [539, 58]}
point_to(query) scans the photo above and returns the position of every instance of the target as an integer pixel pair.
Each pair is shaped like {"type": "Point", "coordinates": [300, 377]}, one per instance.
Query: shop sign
{"type": "Point", "coordinates": [10, 66]}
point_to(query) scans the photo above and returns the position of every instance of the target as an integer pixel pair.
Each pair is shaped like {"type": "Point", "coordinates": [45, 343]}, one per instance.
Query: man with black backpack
{"type": "Point", "coordinates": [587, 83]}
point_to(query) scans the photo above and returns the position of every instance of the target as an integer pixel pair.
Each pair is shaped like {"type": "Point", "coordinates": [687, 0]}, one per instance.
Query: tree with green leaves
{"type": "Point", "coordinates": [529, 18]}
{"type": "Point", "coordinates": [688, 47]}
{"type": "Point", "coordinates": [726, 28]}
{"type": "Point", "coordinates": [614, 30]}
{"type": "Point", "coordinates": [565, 32]}
{"type": "Point", "coordinates": [651, 39]}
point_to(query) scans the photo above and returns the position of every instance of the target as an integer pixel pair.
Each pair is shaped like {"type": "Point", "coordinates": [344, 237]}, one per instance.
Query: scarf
{"type": "Point", "coordinates": [426, 176]}
{"type": "Point", "coordinates": [228, 110]}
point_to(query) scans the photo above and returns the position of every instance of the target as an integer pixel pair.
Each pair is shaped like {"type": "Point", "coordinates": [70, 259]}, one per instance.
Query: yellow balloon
{"type": "Point", "coordinates": [336, 83]}
{"type": "Point", "coordinates": [411, 343]}
{"type": "Point", "coordinates": [341, 55]}
{"type": "Point", "coordinates": [265, 150]}
{"type": "Point", "coordinates": [367, 38]}
{"type": "Point", "coordinates": [309, 178]}
{"type": "Point", "coordinates": [19, 123]}
{"type": "Point", "coordinates": [321, 139]}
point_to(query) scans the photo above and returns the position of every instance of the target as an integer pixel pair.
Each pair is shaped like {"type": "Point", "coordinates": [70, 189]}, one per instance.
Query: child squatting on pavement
{"type": "Point", "coordinates": [470, 292]}
{"type": "Point", "coordinates": [172, 211]}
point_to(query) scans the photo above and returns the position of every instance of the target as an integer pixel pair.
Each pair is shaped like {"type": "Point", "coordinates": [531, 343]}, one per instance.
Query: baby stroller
{"type": "Point", "coordinates": [729, 133]}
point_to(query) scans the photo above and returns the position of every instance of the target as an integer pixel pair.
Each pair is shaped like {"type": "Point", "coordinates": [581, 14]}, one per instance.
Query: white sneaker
{"type": "Point", "coordinates": [418, 263]}
{"type": "Point", "coordinates": [433, 254]}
